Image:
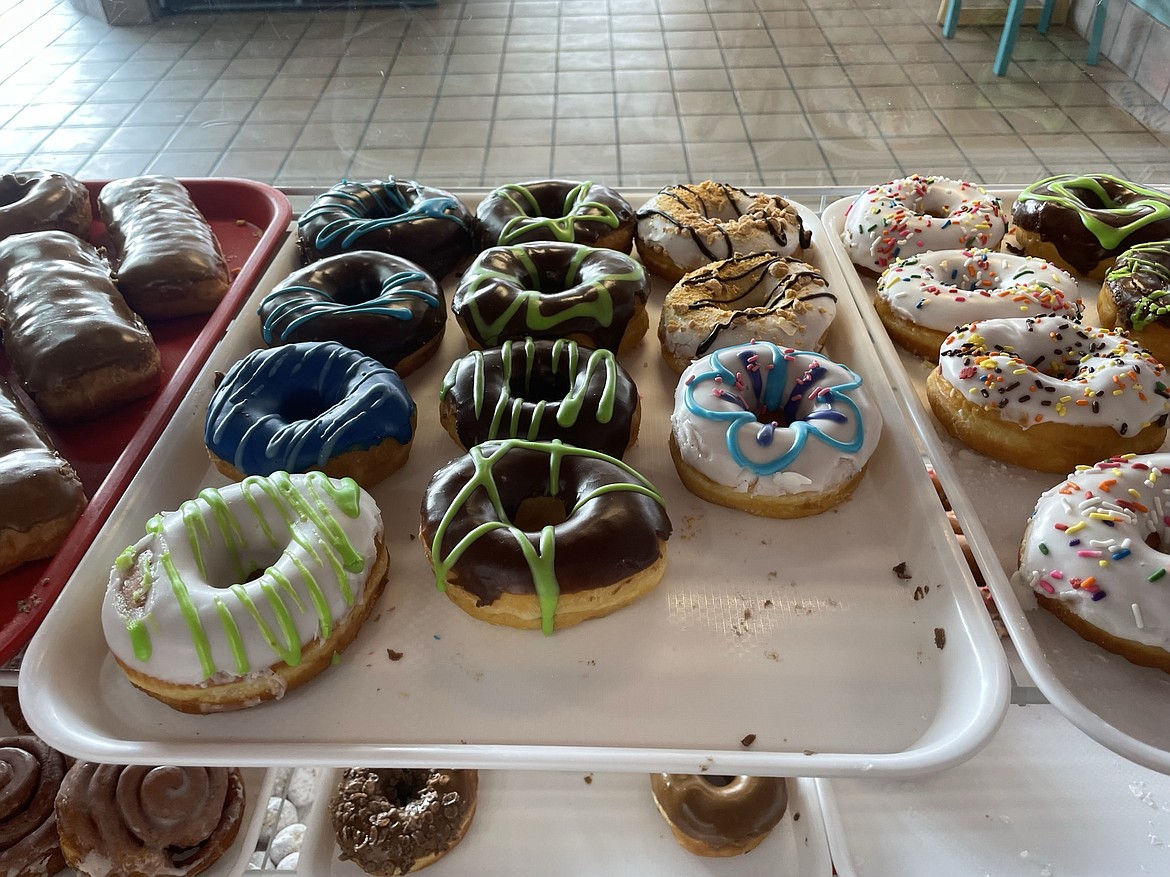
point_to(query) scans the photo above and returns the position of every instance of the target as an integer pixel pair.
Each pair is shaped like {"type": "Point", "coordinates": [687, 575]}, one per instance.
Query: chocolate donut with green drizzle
{"type": "Point", "coordinates": [556, 210]}
{"type": "Point", "coordinates": [541, 390]}
{"type": "Point", "coordinates": [596, 297]}
{"type": "Point", "coordinates": [1083, 223]}
{"type": "Point", "coordinates": [245, 591]}
{"type": "Point", "coordinates": [1136, 297]}
{"type": "Point", "coordinates": [542, 534]}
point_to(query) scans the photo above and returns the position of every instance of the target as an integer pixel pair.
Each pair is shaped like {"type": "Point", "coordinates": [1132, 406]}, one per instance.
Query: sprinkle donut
{"type": "Point", "coordinates": [921, 299]}
{"type": "Point", "coordinates": [1136, 297]}
{"type": "Point", "coordinates": [1095, 555]}
{"type": "Point", "coordinates": [245, 591]}
{"type": "Point", "coordinates": [1048, 393]}
{"type": "Point", "coordinates": [772, 431]}
{"type": "Point", "coordinates": [556, 210]}
{"type": "Point", "coordinates": [898, 219]}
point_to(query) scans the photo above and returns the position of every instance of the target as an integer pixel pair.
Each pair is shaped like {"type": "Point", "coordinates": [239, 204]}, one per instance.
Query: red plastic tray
{"type": "Point", "coordinates": [251, 220]}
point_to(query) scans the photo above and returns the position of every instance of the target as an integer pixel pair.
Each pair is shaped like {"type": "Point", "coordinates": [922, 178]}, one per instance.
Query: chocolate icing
{"type": "Point", "coordinates": [382, 305]}
{"type": "Point", "coordinates": [720, 811]}
{"type": "Point", "coordinates": [430, 227]}
{"type": "Point", "coordinates": [549, 290]}
{"type": "Point", "coordinates": [30, 776]}
{"type": "Point", "coordinates": [1139, 283]}
{"type": "Point", "coordinates": [37, 200]}
{"type": "Point", "coordinates": [1092, 218]}
{"type": "Point", "coordinates": [542, 390]}
{"type": "Point", "coordinates": [552, 210]}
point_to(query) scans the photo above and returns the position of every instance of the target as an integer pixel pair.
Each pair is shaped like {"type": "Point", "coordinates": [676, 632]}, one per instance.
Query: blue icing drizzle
{"type": "Point", "coordinates": [764, 386]}
{"type": "Point", "coordinates": [350, 401]}
{"type": "Point", "coordinates": [393, 209]}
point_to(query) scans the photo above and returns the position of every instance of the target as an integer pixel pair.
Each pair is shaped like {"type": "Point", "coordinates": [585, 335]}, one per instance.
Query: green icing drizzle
{"type": "Point", "coordinates": [139, 639]}
{"type": "Point", "coordinates": [290, 650]}
{"type": "Point", "coordinates": [1151, 205]}
{"type": "Point", "coordinates": [232, 631]}
{"type": "Point", "coordinates": [191, 616]}
{"type": "Point", "coordinates": [577, 206]}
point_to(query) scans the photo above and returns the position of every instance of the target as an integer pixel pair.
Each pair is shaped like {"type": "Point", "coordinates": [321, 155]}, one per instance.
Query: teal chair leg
{"type": "Point", "coordinates": [952, 18]}
{"type": "Point", "coordinates": [1007, 43]}
{"type": "Point", "coordinates": [1098, 30]}
{"type": "Point", "coordinates": [1045, 16]}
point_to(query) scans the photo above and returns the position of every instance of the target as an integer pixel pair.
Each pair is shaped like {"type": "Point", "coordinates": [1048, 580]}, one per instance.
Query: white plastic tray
{"type": "Point", "coordinates": [1123, 706]}
{"type": "Point", "coordinates": [797, 632]}
{"type": "Point", "coordinates": [1041, 799]}
{"type": "Point", "coordinates": [585, 824]}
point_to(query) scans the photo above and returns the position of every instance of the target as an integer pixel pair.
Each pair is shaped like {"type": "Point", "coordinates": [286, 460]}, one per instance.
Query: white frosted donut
{"type": "Point", "coordinates": [771, 430]}
{"type": "Point", "coordinates": [898, 219]}
{"type": "Point", "coordinates": [1048, 393]}
{"type": "Point", "coordinates": [1095, 555]}
{"type": "Point", "coordinates": [761, 297]}
{"type": "Point", "coordinates": [246, 590]}
{"type": "Point", "coordinates": [685, 227]}
{"type": "Point", "coordinates": [923, 298]}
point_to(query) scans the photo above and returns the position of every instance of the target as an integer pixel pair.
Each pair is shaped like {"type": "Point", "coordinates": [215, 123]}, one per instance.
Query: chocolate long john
{"type": "Point", "coordinates": [76, 346]}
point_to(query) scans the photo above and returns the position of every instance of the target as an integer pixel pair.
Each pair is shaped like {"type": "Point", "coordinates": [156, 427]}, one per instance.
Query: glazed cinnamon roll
{"type": "Point", "coordinates": [30, 775]}
{"type": "Point", "coordinates": [136, 821]}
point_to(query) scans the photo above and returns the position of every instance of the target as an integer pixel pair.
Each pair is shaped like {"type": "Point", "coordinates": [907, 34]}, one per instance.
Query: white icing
{"type": "Point", "coordinates": [257, 525]}
{"type": "Point", "coordinates": [708, 422]}
{"type": "Point", "coordinates": [904, 217]}
{"type": "Point", "coordinates": [1050, 369]}
{"type": "Point", "coordinates": [946, 288]}
{"type": "Point", "coordinates": [1108, 511]}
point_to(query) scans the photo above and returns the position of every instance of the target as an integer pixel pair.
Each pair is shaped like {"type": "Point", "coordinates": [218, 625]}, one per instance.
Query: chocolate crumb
{"type": "Point", "coordinates": [413, 537]}
{"type": "Point", "coordinates": [747, 613]}
{"type": "Point", "coordinates": [940, 638]}
{"type": "Point", "coordinates": [901, 572]}
{"type": "Point", "coordinates": [919, 593]}
{"type": "Point", "coordinates": [796, 816]}
{"type": "Point", "coordinates": [588, 779]}
{"type": "Point", "coordinates": [748, 740]}
{"type": "Point", "coordinates": [768, 603]}
{"type": "Point", "coordinates": [393, 655]}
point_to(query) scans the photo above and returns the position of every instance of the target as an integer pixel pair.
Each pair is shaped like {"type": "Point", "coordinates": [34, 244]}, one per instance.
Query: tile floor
{"type": "Point", "coordinates": [631, 92]}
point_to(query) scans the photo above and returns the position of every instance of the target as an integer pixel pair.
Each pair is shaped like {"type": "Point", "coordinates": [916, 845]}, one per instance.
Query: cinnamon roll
{"type": "Point", "coordinates": [30, 775]}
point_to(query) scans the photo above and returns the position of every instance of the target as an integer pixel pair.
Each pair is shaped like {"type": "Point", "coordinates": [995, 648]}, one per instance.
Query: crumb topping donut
{"type": "Point", "coordinates": [135, 821]}
{"type": "Point", "coordinates": [40, 200]}
{"type": "Point", "coordinates": [900, 218]}
{"type": "Point", "coordinates": [772, 431]}
{"type": "Point", "coordinates": [430, 227]}
{"type": "Point", "coordinates": [1048, 393]}
{"type": "Point", "coordinates": [313, 405]}
{"type": "Point", "coordinates": [685, 227]}
{"type": "Point", "coordinates": [381, 305]}
{"type": "Point", "coordinates": [1084, 222]}
{"type": "Point", "coordinates": [556, 210]}
{"type": "Point", "coordinates": [761, 297]}
{"type": "Point", "coordinates": [542, 534]}
{"type": "Point", "coordinates": [1136, 297]}
{"type": "Point", "coordinates": [596, 297]}
{"type": "Point", "coordinates": [245, 591]}
{"type": "Point", "coordinates": [719, 816]}
{"type": "Point", "coordinates": [922, 298]}
{"type": "Point", "coordinates": [1095, 554]}
{"type": "Point", "coordinates": [541, 390]}
{"type": "Point", "coordinates": [391, 821]}
{"type": "Point", "coordinates": [30, 777]}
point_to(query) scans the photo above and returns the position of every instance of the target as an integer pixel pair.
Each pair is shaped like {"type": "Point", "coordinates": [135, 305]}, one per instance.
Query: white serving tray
{"type": "Point", "coordinates": [1041, 799]}
{"type": "Point", "coordinates": [797, 632]}
{"type": "Point", "coordinates": [1121, 705]}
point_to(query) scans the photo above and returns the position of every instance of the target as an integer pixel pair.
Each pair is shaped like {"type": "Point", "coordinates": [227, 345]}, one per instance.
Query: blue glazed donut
{"type": "Point", "coordinates": [312, 405]}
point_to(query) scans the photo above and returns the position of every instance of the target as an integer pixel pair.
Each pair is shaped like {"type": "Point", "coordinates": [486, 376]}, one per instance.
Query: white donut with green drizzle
{"type": "Point", "coordinates": [246, 590]}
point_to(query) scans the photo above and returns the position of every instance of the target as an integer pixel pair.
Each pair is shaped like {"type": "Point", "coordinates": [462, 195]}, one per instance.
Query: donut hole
{"type": "Point", "coordinates": [251, 567]}
{"type": "Point", "coordinates": [717, 780]}
{"type": "Point", "coordinates": [303, 404]}
{"type": "Point", "coordinates": [540, 386]}
{"type": "Point", "coordinates": [1154, 540]}
{"type": "Point", "coordinates": [1091, 199]}
{"type": "Point", "coordinates": [537, 512]}
{"type": "Point", "coordinates": [366, 287]}
{"type": "Point", "coordinates": [777, 417]}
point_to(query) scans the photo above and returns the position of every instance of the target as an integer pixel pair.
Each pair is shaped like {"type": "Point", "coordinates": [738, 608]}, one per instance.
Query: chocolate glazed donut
{"type": "Point", "coordinates": [30, 775]}
{"type": "Point", "coordinates": [381, 305]}
{"type": "Point", "coordinates": [556, 210]}
{"type": "Point", "coordinates": [36, 200]}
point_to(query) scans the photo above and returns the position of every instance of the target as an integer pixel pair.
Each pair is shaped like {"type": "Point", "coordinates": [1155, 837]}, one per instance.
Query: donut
{"type": "Point", "coordinates": [900, 218]}
{"type": "Point", "coordinates": [313, 405]}
{"type": "Point", "coordinates": [542, 534]}
{"type": "Point", "coordinates": [685, 227]}
{"type": "Point", "coordinates": [1084, 222]}
{"type": "Point", "coordinates": [1048, 393]}
{"type": "Point", "coordinates": [76, 346]}
{"type": "Point", "coordinates": [430, 227]}
{"type": "Point", "coordinates": [167, 259]}
{"type": "Point", "coordinates": [556, 210]}
{"type": "Point", "coordinates": [245, 591]}
{"type": "Point", "coordinates": [922, 298]}
{"type": "Point", "coordinates": [30, 777]}
{"type": "Point", "coordinates": [596, 297]}
{"type": "Point", "coordinates": [761, 297]}
{"type": "Point", "coordinates": [772, 431]}
{"type": "Point", "coordinates": [391, 821]}
{"type": "Point", "coordinates": [541, 390]}
{"type": "Point", "coordinates": [719, 816]}
{"type": "Point", "coordinates": [148, 821]}
{"type": "Point", "coordinates": [1094, 553]}
{"type": "Point", "coordinates": [381, 305]}
{"type": "Point", "coordinates": [40, 200]}
{"type": "Point", "coordinates": [1136, 297]}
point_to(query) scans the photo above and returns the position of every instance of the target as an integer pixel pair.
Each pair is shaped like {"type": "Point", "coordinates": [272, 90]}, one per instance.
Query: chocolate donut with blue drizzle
{"type": "Point", "coordinates": [381, 305]}
{"type": "Point", "coordinates": [310, 406]}
{"type": "Point", "coordinates": [430, 227]}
